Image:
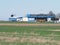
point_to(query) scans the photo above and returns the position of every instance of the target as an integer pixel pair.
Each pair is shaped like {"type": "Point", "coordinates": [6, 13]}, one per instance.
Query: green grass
{"type": "Point", "coordinates": [43, 31]}
{"type": "Point", "coordinates": [27, 28]}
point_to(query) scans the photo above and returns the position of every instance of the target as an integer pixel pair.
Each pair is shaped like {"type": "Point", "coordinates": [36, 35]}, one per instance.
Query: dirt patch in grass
{"type": "Point", "coordinates": [9, 24]}
{"type": "Point", "coordinates": [32, 38]}
{"type": "Point", "coordinates": [53, 30]}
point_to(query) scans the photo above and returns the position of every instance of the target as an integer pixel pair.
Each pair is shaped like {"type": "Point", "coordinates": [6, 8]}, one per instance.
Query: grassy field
{"type": "Point", "coordinates": [29, 35]}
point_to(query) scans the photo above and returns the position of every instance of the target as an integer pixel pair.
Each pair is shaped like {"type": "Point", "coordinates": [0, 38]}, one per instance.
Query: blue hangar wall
{"type": "Point", "coordinates": [40, 17]}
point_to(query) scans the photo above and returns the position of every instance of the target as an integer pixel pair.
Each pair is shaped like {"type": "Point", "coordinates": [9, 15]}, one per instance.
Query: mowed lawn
{"type": "Point", "coordinates": [29, 35]}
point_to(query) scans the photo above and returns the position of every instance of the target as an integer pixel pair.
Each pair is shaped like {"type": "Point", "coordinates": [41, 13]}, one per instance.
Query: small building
{"type": "Point", "coordinates": [25, 19]}
{"type": "Point", "coordinates": [19, 19]}
{"type": "Point", "coordinates": [12, 19]}
{"type": "Point", "coordinates": [31, 20]}
{"type": "Point", "coordinates": [59, 19]}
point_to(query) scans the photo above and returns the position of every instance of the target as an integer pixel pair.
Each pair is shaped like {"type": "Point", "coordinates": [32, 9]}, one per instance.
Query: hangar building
{"type": "Point", "coordinates": [40, 17]}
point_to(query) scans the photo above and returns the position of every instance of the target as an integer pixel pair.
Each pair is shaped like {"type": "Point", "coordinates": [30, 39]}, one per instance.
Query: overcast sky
{"type": "Point", "coordinates": [23, 7]}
